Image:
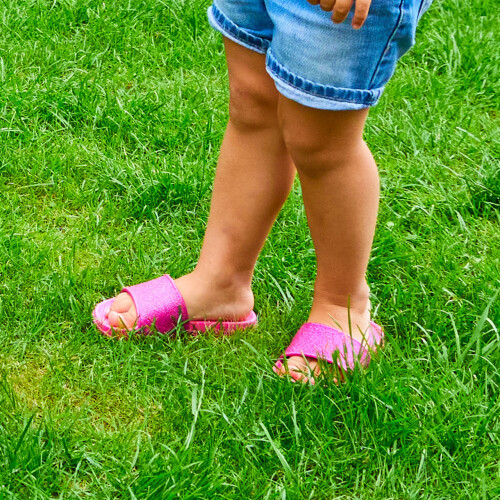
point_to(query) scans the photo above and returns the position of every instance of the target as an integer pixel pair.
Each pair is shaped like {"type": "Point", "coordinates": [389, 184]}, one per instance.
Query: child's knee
{"type": "Point", "coordinates": [251, 107]}
{"type": "Point", "coordinates": [313, 154]}
{"type": "Point", "coordinates": [303, 145]}
{"type": "Point", "coordinates": [319, 141]}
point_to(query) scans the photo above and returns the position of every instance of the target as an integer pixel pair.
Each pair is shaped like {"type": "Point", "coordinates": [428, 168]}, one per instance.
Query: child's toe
{"type": "Point", "coordinates": [121, 320]}
{"type": "Point", "coordinates": [122, 303]}
{"type": "Point", "coordinates": [298, 369]}
{"type": "Point", "coordinates": [122, 313]}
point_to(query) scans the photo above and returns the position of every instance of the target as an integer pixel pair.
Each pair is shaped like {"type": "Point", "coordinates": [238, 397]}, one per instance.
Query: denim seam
{"type": "Point", "coordinates": [230, 27]}
{"type": "Point", "coordinates": [389, 42]}
{"type": "Point", "coordinates": [424, 5]}
{"type": "Point", "coordinates": [368, 101]}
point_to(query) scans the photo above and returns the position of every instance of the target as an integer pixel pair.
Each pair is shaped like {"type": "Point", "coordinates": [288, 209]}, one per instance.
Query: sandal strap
{"type": "Point", "coordinates": [158, 302]}
{"type": "Point", "coordinates": [317, 341]}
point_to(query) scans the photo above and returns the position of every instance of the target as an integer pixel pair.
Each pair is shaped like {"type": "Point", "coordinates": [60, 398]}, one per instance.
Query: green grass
{"type": "Point", "coordinates": [111, 115]}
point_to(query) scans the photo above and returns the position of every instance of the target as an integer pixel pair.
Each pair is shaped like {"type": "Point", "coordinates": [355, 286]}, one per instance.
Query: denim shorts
{"type": "Point", "coordinates": [312, 60]}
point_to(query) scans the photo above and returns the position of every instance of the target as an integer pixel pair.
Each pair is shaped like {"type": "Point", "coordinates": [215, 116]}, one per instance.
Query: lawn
{"type": "Point", "coordinates": [111, 115]}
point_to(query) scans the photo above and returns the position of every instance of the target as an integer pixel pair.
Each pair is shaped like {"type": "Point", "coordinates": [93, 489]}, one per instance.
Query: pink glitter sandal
{"type": "Point", "coordinates": [158, 302]}
{"type": "Point", "coordinates": [317, 341]}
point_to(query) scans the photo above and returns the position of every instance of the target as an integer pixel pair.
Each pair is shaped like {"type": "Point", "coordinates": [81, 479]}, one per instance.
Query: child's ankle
{"type": "Point", "coordinates": [225, 279]}
{"type": "Point", "coordinates": [357, 301]}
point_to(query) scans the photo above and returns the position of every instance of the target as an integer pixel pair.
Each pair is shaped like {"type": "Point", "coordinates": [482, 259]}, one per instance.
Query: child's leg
{"type": "Point", "coordinates": [340, 189]}
{"type": "Point", "coordinates": [254, 176]}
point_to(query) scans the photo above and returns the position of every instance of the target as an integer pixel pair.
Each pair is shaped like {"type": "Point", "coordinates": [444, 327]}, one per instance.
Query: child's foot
{"type": "Point", "coordinates": [213, 299]}
{"type": "Point", "coordinates": [354, 324]}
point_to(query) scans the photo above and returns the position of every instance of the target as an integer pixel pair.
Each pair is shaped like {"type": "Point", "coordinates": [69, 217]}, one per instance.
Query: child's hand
{"type": "Point", "coordinates": [341, 8]}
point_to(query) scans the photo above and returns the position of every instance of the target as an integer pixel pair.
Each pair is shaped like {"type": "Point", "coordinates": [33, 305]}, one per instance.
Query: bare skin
{"type": "Point", "coordinates": [254, 176]}
{"type": "Point", "coordinates": [266, 136]}
{"type": "Point", "coordinates": [340, 188]}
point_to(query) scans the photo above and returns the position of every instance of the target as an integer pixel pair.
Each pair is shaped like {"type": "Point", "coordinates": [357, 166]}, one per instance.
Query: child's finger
{"type": "Point", "coordinates": [360, 13]}
{"type": "Point", "coordinates": [341, 10]}
{"type": "Point", "coordinates": [327, 5]}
